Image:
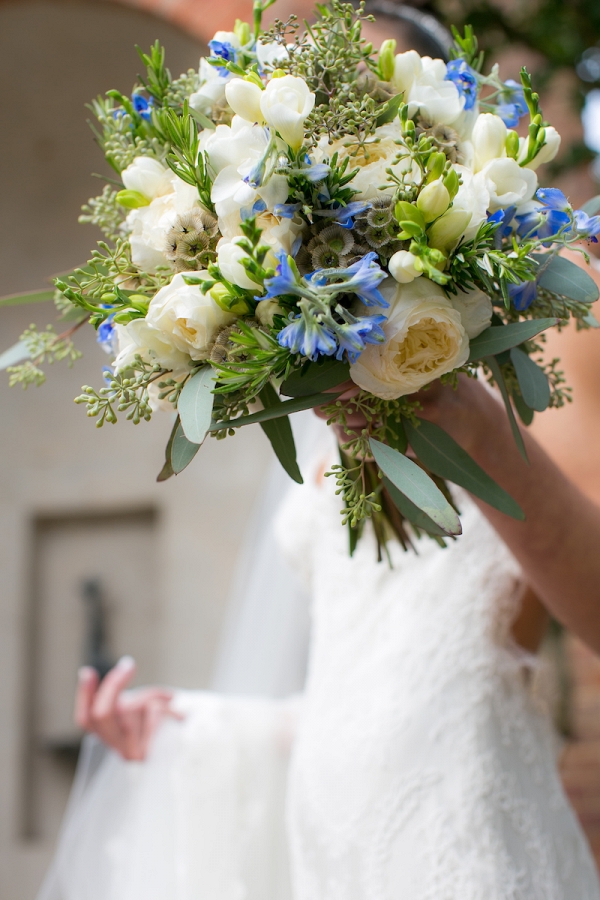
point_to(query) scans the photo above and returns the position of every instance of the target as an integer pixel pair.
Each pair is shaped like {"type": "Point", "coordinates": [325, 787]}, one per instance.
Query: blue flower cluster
{"type": "Point", "coordinates": [555, 216]}
{"type": "Point", "coordinates": [513, 105]}
{"type": "Point", "coordinates": [465, 79]}
{"type": "Point", "coordinates": [315, 331]}
{"type": "Point", "coordinates": [225, 51]}
{"type": "Point", "coordinates": [142, 106]}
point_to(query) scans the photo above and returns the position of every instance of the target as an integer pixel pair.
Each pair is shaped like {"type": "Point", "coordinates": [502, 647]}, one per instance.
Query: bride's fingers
{"type": "Point", "coordinates": [130, 715]}
{"type": "Point", "coordinates": [155, 711]}
{"type": "Point", "coordinates": [103, 715]}
{"type": "Point", "coordinates": [87, 685]}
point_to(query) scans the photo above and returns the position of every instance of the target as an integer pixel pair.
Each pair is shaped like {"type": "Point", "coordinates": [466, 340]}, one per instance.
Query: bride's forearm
{"type": "Point", "coordinates": [558, 545]}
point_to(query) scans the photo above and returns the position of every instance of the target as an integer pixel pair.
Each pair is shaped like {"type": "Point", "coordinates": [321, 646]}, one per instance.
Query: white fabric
{"type": "Point", "coordinates": [422, 768]}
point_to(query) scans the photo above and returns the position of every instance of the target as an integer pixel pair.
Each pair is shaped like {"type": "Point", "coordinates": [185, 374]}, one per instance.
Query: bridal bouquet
{"type": "Point", "coordinates": [303, 212]}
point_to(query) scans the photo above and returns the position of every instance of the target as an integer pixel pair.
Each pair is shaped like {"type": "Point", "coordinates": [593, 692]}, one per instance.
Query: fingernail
{"type": "Point", "coordinates": [126, 662]}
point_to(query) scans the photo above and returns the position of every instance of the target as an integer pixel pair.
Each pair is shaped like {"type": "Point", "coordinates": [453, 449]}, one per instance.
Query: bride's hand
{"type": "Point", "coordinates": [125, 720]}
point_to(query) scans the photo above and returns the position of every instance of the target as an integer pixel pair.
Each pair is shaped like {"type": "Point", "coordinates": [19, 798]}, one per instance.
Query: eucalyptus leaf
{"type": "Point", "coordinates": [525, 413]}
{"type": "Point", "coordinates": [592, 206]}
{"type": "Point", "coordinates": [498, 338]}
{"type": "Point", "coordinates": [182, 451]}
{"type": "Point", "coordinates": [561, 276]}
{"type": "Point", "coordinates": [444, 457]}
{"type": "Point", "coordinates": [316, 378]}
{"type": "Point", "coordinates": [416, 486]}
{"type": "Point", "coordinates": [14, 355]}
{"type": "Point", "coordinates": [279, 432]}
{"type": "Point", "coordinates": [196, 403]}
{"type": "Point", "coordinates": [532, 380]}
{"type": "Point", "coordinates": [499, 377]}
{"type": "Point", "coordinates": [591, 321]}
{"type": "Point", "coordinates": [167, 470]}
{"type": "Point", "coordinates": [412, 512]}
{"type": "Point", "coordinates": [284, 409]}
{"type": "Point", "coordinates": [28, 297]}
{"type": "Point", "coordinates": [390, 110]}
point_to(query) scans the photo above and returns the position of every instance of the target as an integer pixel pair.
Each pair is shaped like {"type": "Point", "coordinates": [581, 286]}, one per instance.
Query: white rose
{"type": "Point", "coordinates": [187, 318]}
{"type": "Point", "coordinates": [403, 266]}
{"type": "Point", "coordinates": [373, 158]}
{"type": "Point", "coordinates": [148, 225]}
{"type": "Point", "coordinates": [508, 183]}
{"type": "Point", "coordinates": [489, 139]}
{"type": "Point", "coordinates": [424, 339]}
{"type": "Point", "coordinates": [244, 99]}
{"type": "Point", "coordinates": [475, 309]}
{"type": "Point", "coordinates": [437, 99]}
{"type": "Point", "coordinates": [147, 176]}
{"type": "Point", "coordinates": [548, 151]}
{"type": "Point", "coordinates": [285, 103]}
{"type": "Point", "coordinates": [229, 257]}
{"type": "Point", "coordinates": [139, 338]}
{"type": "Point", "coordinates": [472, 197]}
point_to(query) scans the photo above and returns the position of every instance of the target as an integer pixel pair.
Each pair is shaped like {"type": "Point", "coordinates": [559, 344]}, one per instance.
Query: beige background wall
{"type": "Point", "coordinates": [77, 502]}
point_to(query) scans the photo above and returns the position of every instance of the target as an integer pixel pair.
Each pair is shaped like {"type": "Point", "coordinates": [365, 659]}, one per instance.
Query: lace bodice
{"type": "Point", "coordinates": [423, 769]}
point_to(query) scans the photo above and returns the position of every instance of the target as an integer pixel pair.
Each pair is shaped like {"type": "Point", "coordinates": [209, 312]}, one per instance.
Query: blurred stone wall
{"type": "Point", "coordinates": [78, 503]}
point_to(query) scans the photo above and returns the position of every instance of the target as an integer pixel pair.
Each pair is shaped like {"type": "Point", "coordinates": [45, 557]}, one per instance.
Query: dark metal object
{"type": "Point", "coordinates": [96, 649]}
{"type": "Point", "coordinates": [429, 36]}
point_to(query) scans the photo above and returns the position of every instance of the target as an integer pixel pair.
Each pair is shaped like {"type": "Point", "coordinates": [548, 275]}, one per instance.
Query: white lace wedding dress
{"type": "Point", "coordinates": [421, 767]}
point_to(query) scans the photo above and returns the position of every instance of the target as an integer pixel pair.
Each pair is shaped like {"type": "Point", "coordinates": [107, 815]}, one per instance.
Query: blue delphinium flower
{"type": "Point", "coordinates": [465, 79]}
{"type": "Point", "coordinates": [248, 212]}
{"type": "Point", "coordinates": [286, 210]}
{"type": "Point", "coordinates": [344, 215]}
{"type": "Point", "coordinates": [522, 294]}
{"type": "Point", "coordinates": [286, 279]}
{"type": "Point", "coordinates": [224, 50]}
{"type": "Point", "coordinates": [313, 171]}
{"type": "Point", "coordinates": [142, 106]}
{"type": "Point", "coordinates": [107, 336]}
{"type": "Point", "coordinates": [586, 226]}
{"type": "Point", "coordinates": [504, 219]}
{"type": "Point", "coordinates": [546, 221]}
{"type": "Point", "coordinates": [356, 333]}
{"type": "Point", "coordinates": [361, 278]}
{"type": "Point", "coordinates": [553, 199]}
{"type": "Point", "coordinates": [514, 105]}
{"type": "Point", "coordinates": [306, 335]}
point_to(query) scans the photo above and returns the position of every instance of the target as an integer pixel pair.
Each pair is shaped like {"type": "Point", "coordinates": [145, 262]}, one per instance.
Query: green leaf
{"type": "Point", "coordinates": [592, 206]}
{"type": "Point", "coordinates": [182, 451]}
{"type": "Point", "coordinates": [195, 404]}
{"type": "Point", "coordinates": [284, 409]}
{"type": "Point", "coordinates": [316, 378]}
{"type": "Point", "coordinates": [167, 470]}
{"type": "Point", "coordinates": [412, 512]}
{"type": "Point", "coordinates": [525, 413]}
{"type": "Point", "coordinates": [591, 321]}
{"type": "Point", "coordinates": [498, 338]}
{"type": "Point", "coordinates": [532, 380]}
{"type": "Point", "coordinates": [499, 377]}
{"type": "Point", "coordinates": [416, 486]}
{"type": "Point", "coordinates": [27, 297]}
{"type": "Point", "coordinates": [561, 276]}
{"type": "Point", "coordinates": [444, 457]}
{"type": "Point", "coordinates": [279, 432]}
{"type": "Point", "coordinates": [390, 110]}
{"type": "Point", "coordinates": [15, 354]}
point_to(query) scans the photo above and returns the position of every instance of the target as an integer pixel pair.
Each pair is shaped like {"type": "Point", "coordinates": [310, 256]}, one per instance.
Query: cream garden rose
{"type": "Point", "coordinates": [425, 338]}
{"type": "Point", "coordinates": [373, 159]}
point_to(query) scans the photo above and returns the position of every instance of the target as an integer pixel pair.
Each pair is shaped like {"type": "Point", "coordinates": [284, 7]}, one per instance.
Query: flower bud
{"type": "Point", "coordinates": [489, 139]}
{"type": "Point", "coordinates": [131, 199]}
{"type": "Point", "coordinates": [436, 165]}
{"type": "Point", "coordinates": [227, 302]}
{"type": "Point", "coordinates": [452, 183]}
{"type": "Point", "coordinates": [386, 59]}
{"type": "Point", "coordinates": [512, 144]}
{"type": "Point", "coordinates": [405, 267]}
{"type": "Point", "coordinates": [266, 310]}
{"type": "Point", "coordinates": [405, 211]}
{"type": "Point", "coordinates": [445, 232]}
{"type": "Point", "coordinates": [244, 99]}
{"type": "Point", "coordinates": [548, 151]}
{"type": "Point", "coordinates": [242, 32]}
{"type": "Point", "coordinates": [433, 200]}
{"type": "Point", "coordinates": [285, 103]}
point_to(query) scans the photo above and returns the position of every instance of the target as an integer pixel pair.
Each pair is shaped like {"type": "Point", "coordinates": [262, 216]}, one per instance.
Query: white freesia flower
{"type": "Point", "coordinates": [404, 266]}
{"type": "Point", "coordinates": [373, 158]}
{"type": "Point", "coordinates": [425, 338]}
{"type": "Point", "coordinates": [548, 151]}
{"type": "Point", "coordinates": [423, 82]}
{"type": "Point", "coordinates": [229, 257]}
{"type": "Point", "coordinates": [473, 197]}
{"type": "Point", "coordinates": [268, 55]}
{"type": "Point", "coordinates": [285, 103]}
{"type": "Point", "coordinates": [148, 225]}
{"type": "Point", "coordinates": [266, 310]}
{"type": "Point", "coordinates": [489, 139]}
{"type": "Point", "coordinates": [433, 200]}
{"type": "Point", "coordinates": [475, 309]}
{"type": "Point", "coordinates": [139, 338]}
{"type": "Point", "coordinates": [187, 318]}
{"type": "Point", "coordinates": [508, 183]}
{"type": "Point", "coordinates": [244, 99]}
{"type": "Point", "coordinates": [147, 176]}
{"type": "Point", "coordinates": [211, 92]}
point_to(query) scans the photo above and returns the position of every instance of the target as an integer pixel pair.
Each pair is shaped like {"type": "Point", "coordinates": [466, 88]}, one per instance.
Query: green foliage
{"type": "Point", "coordinates": [105, 213]}
{"type": "Point", "coordinates": [158, 78]}
{"type": "Point", "coordinates": [466, 47]}
{"type": "Point", "coordinates": [43, 347]}
{"type": "Point", "coordinates": [180, 132]}
{"type": "Point", "coordinates": [126, 391]}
